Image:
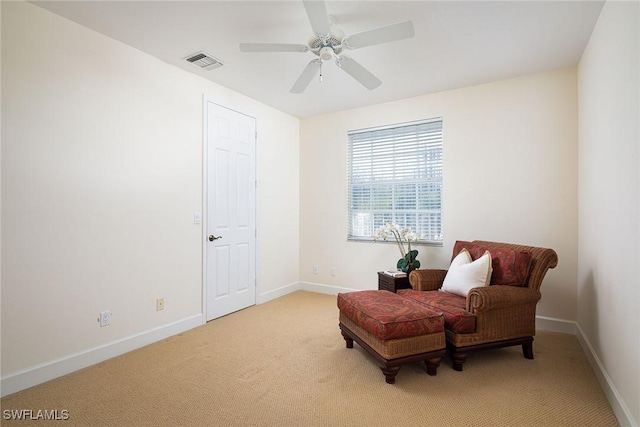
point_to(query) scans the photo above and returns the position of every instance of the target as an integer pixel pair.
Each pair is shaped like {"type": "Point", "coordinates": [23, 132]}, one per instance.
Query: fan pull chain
{"type": "Point", "coordinates": [320, 72]}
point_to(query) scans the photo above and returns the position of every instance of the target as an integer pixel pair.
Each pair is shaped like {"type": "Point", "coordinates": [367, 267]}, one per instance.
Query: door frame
{"type": "Point", "coordinates": [205, 198]}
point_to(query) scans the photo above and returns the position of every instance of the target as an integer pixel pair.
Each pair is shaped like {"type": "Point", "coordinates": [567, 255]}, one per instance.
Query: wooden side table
{"type": "Point", "coordinates": [392, 284]}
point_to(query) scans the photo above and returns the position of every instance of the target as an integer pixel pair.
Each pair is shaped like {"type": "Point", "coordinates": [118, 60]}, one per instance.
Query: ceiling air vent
{"type": "Point", "coordinates": [204, 61]}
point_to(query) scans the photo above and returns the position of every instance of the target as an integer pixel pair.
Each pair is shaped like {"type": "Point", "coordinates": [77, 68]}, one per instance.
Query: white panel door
{"type": "Point", "coordinates": [231, 211]}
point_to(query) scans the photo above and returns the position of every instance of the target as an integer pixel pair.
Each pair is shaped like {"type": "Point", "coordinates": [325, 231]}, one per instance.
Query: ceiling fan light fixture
{"type": "Point", "coordinates": [326, 53]}
{"type": "Point", "coordinates": [328, 42]}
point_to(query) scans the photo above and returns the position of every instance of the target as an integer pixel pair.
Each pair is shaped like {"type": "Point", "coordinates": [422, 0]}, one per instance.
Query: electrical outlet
{"type": "Point", "coordinates": [105, 318]}
{"type": "Point", "coordinates": [315, 269]}
{"type": "Point", "coordinates": [332, 271]}
{"type": "Point", "coordinates": [159, 304]}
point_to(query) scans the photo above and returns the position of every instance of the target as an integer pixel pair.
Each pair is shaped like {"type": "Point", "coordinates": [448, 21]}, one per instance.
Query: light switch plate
{"type": "Point", "coordinates": [197, 218]}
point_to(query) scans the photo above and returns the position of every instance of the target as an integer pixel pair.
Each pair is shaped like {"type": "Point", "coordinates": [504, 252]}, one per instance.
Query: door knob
{"type": "Point", "coordinates": [212, 237]}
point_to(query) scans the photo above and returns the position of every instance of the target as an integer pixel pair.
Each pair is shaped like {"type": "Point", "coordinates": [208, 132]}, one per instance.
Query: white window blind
{"type": "Point", "coordinates": [395, 176]}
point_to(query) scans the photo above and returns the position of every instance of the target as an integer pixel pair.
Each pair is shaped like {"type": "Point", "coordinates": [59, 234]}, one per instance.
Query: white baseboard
{"type": "Point", "coordinates": [324, 289]}
{"type": "Point", "coordinates": [620, 409]}
{"type": "Point", "coordinates": [556, 325]}
{"type": "Point", "coordinates": [618, 405]}
{"type": "Point", "coordinates": [277, 293]}
{"type": "Point", "coordinates": [39, 374]}
{"type": "Point", "coordinates": [301, 286]}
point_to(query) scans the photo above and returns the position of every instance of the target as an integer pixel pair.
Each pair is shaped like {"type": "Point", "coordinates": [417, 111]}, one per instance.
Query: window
{"type": "Point", "coordinates": [395, 176]}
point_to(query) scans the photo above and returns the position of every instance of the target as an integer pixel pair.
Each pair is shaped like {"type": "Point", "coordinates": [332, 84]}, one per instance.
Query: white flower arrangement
{"type": "Point", "coordinates": [401, 235]}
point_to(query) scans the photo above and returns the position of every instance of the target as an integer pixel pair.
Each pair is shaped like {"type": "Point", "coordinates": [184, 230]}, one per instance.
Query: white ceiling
{"type": "Point", "coordinates": [456, 43]}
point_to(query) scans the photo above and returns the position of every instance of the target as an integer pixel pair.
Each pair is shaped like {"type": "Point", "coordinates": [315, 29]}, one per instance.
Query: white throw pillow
{"type": "Point", "coordinates": [464, 274]}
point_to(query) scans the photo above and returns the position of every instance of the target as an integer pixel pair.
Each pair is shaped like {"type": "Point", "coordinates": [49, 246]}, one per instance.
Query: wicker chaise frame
{"type": "Point", "coordinates": [392, 354]}
{"type": "Point", "coordinates": [505, 315]}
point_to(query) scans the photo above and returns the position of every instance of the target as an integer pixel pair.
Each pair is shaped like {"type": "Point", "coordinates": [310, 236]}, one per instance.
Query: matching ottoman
{"type": "Point", "coordinates": [393, 329]}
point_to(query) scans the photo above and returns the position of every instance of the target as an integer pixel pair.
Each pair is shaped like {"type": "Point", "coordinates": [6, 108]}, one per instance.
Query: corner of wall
{"type": "Point", "coordinates": [620, 409]}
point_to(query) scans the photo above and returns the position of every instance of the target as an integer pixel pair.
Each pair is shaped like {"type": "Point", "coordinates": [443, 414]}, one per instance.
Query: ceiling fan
{"type": "Point", "coordinates": [329, 42]}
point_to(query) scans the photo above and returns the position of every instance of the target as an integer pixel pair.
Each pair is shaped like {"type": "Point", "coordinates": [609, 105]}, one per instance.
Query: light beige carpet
{"type": "Point", "coordinates": [284, 363]}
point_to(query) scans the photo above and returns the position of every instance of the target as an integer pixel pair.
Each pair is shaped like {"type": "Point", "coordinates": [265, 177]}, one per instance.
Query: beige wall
{"type": "Point", "coordinates": [510, 174]}
{"type": "Point", "coordinates": [101, 175]}
{"type": "Point", "coordinates": [609, 220]}
{"type": "Point", "coordinates": [102, 172]}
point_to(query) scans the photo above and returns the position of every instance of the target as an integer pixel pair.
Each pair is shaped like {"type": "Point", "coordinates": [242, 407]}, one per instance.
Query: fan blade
{"type": "Point", "coordinates": [309, 73]}
{"type": "Point", "coordinates": [358, 72]}
{"type": "Point", "coordinates": [272, 47]}
{"type": "Point", "coordinates": [403, 30]}
{"type": "Point", "coordinates": [317, 13]}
